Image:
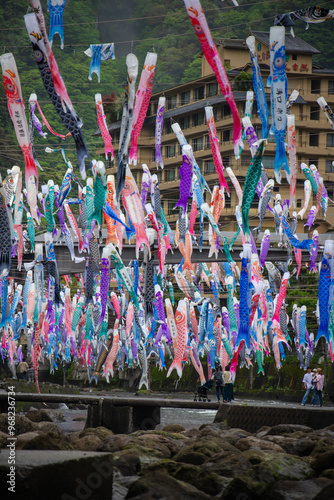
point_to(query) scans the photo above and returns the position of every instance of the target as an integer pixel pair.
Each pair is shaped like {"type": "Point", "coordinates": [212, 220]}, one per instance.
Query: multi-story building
{"type": "Point", "coordinates": [185, 105]}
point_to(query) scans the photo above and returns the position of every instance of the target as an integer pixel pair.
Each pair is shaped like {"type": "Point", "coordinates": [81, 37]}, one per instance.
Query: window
{"type": "Point", "coordinates": [330, 140]}
{"type": "Point", "coordinates": [226, 110]}
{"type": "Point", "coordinates": [207, 144]}
{"type": "Point", "coordinates": [268, 161]}
{"type": "Point", "coordinates": [331, 87]}
{"type": "Point", "coordinates": [299, 203]}
{"type": "Point", "coordinates": [209, 167]}
{"type": "Point", "coordinates": [227, 201]}
{"type": "Point", "coordinates": [198, 143]}
{"type": "Point", "coordinates": [226, 135]}
{"type": "Point", "coordinates": [294, 57]}
{"type": "Point", "coordinates": [184, 122]}
{"type": "Point", "coordinates": [329, 166]}
{"type": "Point", "coordinates": [276, 189]}
{"type": "Point", "coordinates": [315, 86]}
{"type": "Point", "coordinates": [155, 107]}
{"type": "Point", "coordinates": [148, 112]}
{"type": "Point", "coordinates": [159, 175]}
{"type": "Point", "coordinates": [171, 204]}
{"type": "Point", "coordinates": [153, 154]}
{"type": "Point", "coordinates": [313, 162]}
{"type": "Point", "coordinates": [315, 113]}
{"type": "Point", "coordinates": [180, 149]}
{"type": "Point", "coordinates": [135, 175]}
{"type": "Point", "coordinates": [167, 127]}
{"type": "Point", "coordinates": [170, 175]}
{"type": "Point", "coordinates": [215, 113]}
{"type": "Point", "coordinates": [314, 140]}
{"type": "Point", "coordinates": [211, 89]}
{"type": "Point", "coordinates": [170, 151]}
{"type": "Point", "coordinates": [171, 102]}
{"type": "Point", "coordinates": [199, 93]}
{"type": "Point", "coordinates": [226, 161]}
{"type": "Point", "coordinates": [198, 119]}
{"type": "Point", "coordinates": [185, 98]}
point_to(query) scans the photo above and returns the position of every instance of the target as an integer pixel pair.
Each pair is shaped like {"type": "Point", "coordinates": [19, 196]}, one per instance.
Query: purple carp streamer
{"type": "Point", "coordinates": [16, 108]}
{"type": "Point", "coordinates": [98, 53]}
{"type": "Point", "coordinates": [143, 97]}
{"type": "Point", "coordinates": [102, 122]}
{"type": "Point", "coordinates": [53, 82]}
{"type": "Point", "coordinates": [159, 124]}
{"type": "Point", "coordinates": [200, 25]}
{"type": "Point", "coordinates": [56, 9]}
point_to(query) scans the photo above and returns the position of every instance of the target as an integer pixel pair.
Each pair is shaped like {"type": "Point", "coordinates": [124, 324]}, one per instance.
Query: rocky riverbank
{"type": "Point", "coordinates": [212, 461]}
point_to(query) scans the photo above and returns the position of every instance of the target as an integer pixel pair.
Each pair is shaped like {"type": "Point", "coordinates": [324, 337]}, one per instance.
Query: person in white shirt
{"type": "Point", "coordinates": [307, 384]}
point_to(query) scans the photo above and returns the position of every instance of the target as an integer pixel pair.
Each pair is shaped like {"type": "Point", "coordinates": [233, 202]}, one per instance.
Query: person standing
{"type": "Point", "coordinates": [320, 385]}
{"type": "Point", "coordinates": [308, 385]}
{"type": "Point", "coordinates": [219, 383]}
{"type": "Point", "coordinates": [22, 370]}
{"type": "Point", "coordinates": [228, 384]}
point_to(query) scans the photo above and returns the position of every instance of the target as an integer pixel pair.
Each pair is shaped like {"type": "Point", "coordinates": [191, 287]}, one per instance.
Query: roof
{"type": "Point", "coordinates": [233, 43]}
{"type": "Point", "coordinates": [292, 44]}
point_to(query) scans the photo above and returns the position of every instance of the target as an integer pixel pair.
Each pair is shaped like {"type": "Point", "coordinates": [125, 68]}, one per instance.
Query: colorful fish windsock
{"type": "Point", "coordinates": [99, 52]}
{"type": "Point", "coordinates": [200, 25]}
{"type": "Point", "coordinates": [279, 94]}
{"type": "Point", "coordinates": [102, 122]}
{"type": "Point", "coordinates": [56, 9]}
{"type": "Point", "coordinates": [15, 102]}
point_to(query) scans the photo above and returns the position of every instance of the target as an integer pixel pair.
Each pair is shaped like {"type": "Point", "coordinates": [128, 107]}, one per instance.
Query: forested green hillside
{"type": "Point", "coordinates": [137, 25]}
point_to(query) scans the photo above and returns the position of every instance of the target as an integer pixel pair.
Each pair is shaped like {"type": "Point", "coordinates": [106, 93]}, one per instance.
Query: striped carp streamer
{"type": "Point", "coordinates": [53, 81]}
{"type": "Point", "coordinates": [200, 25]}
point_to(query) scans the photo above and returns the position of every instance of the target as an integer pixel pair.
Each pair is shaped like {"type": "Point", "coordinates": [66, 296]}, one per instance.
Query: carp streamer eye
{"type": "Point", "coordinates": [279, 62]}
{"type": "Point", "coordinates": [38, 55]}
{"type": "Point", "coordinates": [198, 29]}
{"type": "Point", "coordinates": [10, 87]}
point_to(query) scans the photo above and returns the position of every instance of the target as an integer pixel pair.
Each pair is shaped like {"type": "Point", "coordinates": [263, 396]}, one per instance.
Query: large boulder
{"type": "Point", "coordinates": [3, 439]}
{"type": "Point", "coordinates": [227, 464]}
{"type": "Point", "coordinates": [22, 424]}
{"type": "Point", "coordinates": [90, 442]}
{"type": "Point", "coordinates": [299, 490]}
{"type": "Point", "coordinates": [44, 414]}
{"type": "Point", "coordinates": [23, 439]}
{"type": "Point", "coordinates": [49, 427]}
{"type": "Point", "coordinates": [101, 432]}
{"type": "Point", "coordinates": [47, 441]}
{"type": "Point", "coordinates": [251, 442]}
{"type": "Point", "coordinates": [288, 429]}
{"type": "Point", "coordinates": [173, 428]}
{"type": "Point", "coordinates": [202, 479]}
{"type": "Point", "coordinates": [127, 462]}
{"type": "Point", "coordinates": [323, 461]}
{"type": "Point", "coordinates": [157, 484]}
{"type": "Point", "coordinates": [115, 443]}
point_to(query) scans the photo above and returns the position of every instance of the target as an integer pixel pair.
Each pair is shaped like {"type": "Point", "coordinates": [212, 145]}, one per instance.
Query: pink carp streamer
{"type": "Point", "coordinates": [292, 158]}
{"type": "Point", "coordinates": [102, 122]}
{"type": "Point", "coordinates": [200, 25]}
{"type": "Point", "coordinates": [15, 103]}
{"type": "Point", "coordinates": [214, 141]}
{"type": "Point", "coordinates": [143, 97]}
